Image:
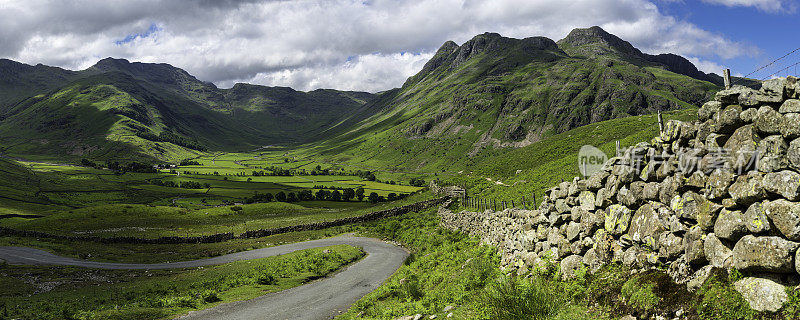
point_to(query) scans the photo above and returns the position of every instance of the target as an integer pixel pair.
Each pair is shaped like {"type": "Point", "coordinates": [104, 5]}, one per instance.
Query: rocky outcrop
{"type": "Point", "coordinates": [723, 192]}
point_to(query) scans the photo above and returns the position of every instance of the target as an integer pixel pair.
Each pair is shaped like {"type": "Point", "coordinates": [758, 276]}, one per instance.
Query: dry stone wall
{"type": "Point", "coordinates": [722, 192]}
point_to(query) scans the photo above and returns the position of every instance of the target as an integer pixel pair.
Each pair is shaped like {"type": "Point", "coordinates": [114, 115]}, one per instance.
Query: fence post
{"type": "Point", "coordinates": [617, 155]}
{"type": "Point", "coordinates": [523, 203]}
{"type": "Point", "coordinates": [534, 201]}
{"type": "Point", "coordinates": [726, 74]}
{"type": "Point", "coordinates": [660, 123]}
{"type": "Point", "coordinates": [512, 204]}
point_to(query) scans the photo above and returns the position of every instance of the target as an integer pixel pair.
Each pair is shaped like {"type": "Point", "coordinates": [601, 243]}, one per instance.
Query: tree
{"type": "Point", "coordinates": [417, 182]}
{"type": "Point", "coordinates": [373, 197]}
{"type": "Point", "coordinates": [348, 194]}
{"type": "Point", "coordinates": [280, 197]}
{"type": "Point", "coordinates": [291, 197]}
{"type": "Point", "coordinates": [360, 194]}
{"type": "Point", "coordinates": [320, 195]}
{"type": "Point", "coordinates": [268, 197]}
{"type": "Point", "coordinates": [336, 195]}
{"type": "Point", "coordinates": [392, 196]}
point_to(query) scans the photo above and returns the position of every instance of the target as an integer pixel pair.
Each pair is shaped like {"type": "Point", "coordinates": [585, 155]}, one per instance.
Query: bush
{"type": "Point", "coordinates": [211, 297]}
{"type": "Point", "coordinates": [236, 208]}
{"type": "Point", "coordinates": [266, 279]}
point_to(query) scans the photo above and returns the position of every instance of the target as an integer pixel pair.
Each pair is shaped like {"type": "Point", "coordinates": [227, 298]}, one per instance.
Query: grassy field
{"type": "Point", "coordinates": [145, 221]}
{"type": "Point", "coordinates": [77, 293]}
{"type": "Point", "coordinates": [43, 188]}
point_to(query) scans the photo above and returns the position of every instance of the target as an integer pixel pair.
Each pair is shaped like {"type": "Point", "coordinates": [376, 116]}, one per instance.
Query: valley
{"type": "Point", "coordinates": [229, 201]}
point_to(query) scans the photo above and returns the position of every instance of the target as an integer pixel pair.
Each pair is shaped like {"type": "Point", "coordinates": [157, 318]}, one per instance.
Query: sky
{"type": "Point", "coordinates": [375, 45]}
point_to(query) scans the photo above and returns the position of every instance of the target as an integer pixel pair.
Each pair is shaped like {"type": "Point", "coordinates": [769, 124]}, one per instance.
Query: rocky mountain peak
{"type": "Point", "coordinates": [595, 41]}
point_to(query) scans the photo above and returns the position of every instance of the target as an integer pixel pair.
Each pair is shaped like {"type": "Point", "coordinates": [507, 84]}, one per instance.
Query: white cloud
{"type": "Point", "coordinates": [343, 44]}
{"type": "Point", "coordinates": [772, 6]}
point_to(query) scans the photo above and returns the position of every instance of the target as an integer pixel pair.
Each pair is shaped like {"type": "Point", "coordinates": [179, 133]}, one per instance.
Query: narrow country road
{"type": "Point", "coordinates": [322, 299]}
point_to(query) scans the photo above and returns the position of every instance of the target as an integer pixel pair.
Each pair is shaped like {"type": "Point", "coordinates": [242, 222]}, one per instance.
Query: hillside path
{"type": "Point", "coordinates": [322, 299]}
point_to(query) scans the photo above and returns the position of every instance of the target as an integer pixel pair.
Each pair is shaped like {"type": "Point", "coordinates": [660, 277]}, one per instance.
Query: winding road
{"type": "Point", "coordinates": [322, 299]}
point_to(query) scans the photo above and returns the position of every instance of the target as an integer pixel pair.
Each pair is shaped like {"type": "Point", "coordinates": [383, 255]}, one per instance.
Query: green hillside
{"type": "Point", "coordinates": [121, 110]}
{"type": "Point", "coordinates": [494, 93]}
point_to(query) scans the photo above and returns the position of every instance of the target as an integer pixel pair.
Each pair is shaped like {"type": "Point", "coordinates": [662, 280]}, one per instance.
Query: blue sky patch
{"type": "Point", "coordinates": [151, 30]}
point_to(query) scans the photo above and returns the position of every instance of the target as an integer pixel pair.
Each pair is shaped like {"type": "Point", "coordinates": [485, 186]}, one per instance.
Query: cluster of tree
{"type": "Point", "coordinates": [365, 175]}
{"type": "Point", "coordinates": [166, 136]}
{"type": "Point", "coordinates": [182, 184]}
{"type": "Point", "coordinates": [273, 171]}
{"type": "Point", "coordinates": [188, 162]}
{"type": "Point", "coordinates": [307, 195]}
{"type": "Point", "coordinates": [131, 167]}
{"type": "Point", "coordinates": [120, 168]}
{"type": "Point", "coordinates": [417, 182]}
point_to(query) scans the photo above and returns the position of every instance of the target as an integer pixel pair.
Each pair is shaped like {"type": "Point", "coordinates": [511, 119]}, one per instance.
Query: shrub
{"type": "Point", "coordinates": [237, 208]}
{"type": "Point", "coordinates": [266, 279]}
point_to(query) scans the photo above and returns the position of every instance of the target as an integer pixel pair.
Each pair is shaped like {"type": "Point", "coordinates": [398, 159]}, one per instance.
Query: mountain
{"type": "Point", "coordinates": [118, 109]}
{"type": "Point", "coordinates": [494, 92]}
{"type": "Point", "coordinates": [595, 42]}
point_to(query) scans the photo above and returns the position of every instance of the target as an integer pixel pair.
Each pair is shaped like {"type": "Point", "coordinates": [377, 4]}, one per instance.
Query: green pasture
{"type": "Point", "coordinates": [147, 221]}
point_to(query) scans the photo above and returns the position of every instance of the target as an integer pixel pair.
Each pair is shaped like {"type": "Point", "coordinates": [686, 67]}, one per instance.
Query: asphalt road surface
{"type": "Point", "coordinates": [321, 299]}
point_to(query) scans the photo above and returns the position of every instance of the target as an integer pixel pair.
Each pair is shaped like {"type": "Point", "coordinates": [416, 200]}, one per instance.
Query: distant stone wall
{"type": "Point", "coordinates": [722, 192]}
{"type": "Point", "coordinates": [220, 237]}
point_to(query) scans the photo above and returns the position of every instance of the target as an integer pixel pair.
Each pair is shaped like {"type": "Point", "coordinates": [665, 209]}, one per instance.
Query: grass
{"type": "Point", "coordinates": [75, 293]}
{"type": "Point", "coordinates": [146, 221]}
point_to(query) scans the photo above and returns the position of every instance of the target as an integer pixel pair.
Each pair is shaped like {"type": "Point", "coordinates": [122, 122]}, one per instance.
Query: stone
{"type": "Point", "coordinates": [789, 106]}
{"type": "Point", "coordinates": [716, 252]}
{"type": "Point", "coordinates": [649, 171]}
{"type": "Point", "coordinates": [785, 215]}
{"type": "Point", "coordinates": [697, 180]}
{"type": "Point", "coordinates": [715, 140]}
{"type": "Point", "coordinates": [784, 183]}
{"type": "Point", "coordinates": [669, 188]}
{"type": "Point", "coordinates": [708, 110]}
{"type": "Point", "coordinates": [730, 96]}
{"type": "Point", "coordinates": [694, 246]}
{"type": "Point", "coordinates": [756, 220]}
{"type": "Point", "coordinates": [596, 181]}
{"type": "Point", "coordinates": [603, 198]}
{"type": "Point", "coordinates": [617, 219]}
{"type": "Point", "coordinates": [699, 278]}
{"type": "Point", "coordinates": [646, 222]}
{"type": "Point", "coordinates": [762, 294]}
{"type": "Point", "coordinates": [728, 119]}
{"type": "Point", "coordinates": [767, 254]}
{"type": "Point", "coordinates": [772, 154]}
{"type": "Point", "coordinates": [625, 174]}
{"type": "Point", "coordinates": [749, 115]}
{"type": "Point", "coordinates": [632, 196]}
{"type": "Point", "coordinates": [747, 189]}
{"type": "Point", "coordinates": [768, 121]}
{"type": "Point", "coordinates": [776, 86]}
{"type": "Point", "coordinates": [754, 98]}
{"type": "Point", "coordinates": [562, 206]}
{"type": "Point", "coordinates": [791, 128]}
{"type": "Point", "coordinates": [573, 229]}
{"type": "Point", "coordinates": [650, 191]}
{"type": "Point", "coordinates": [730, 225]}
{"type": "Point", "coordinates": [570, 265]}
{"type": "Point", "coordinates": [793, 153]}
{"type": "Point", "coordinates": [670, 246]}
{"type": "Point", "coordinates": [741, 148]}
{"type": "Point", "coordinates": [718, 182]}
